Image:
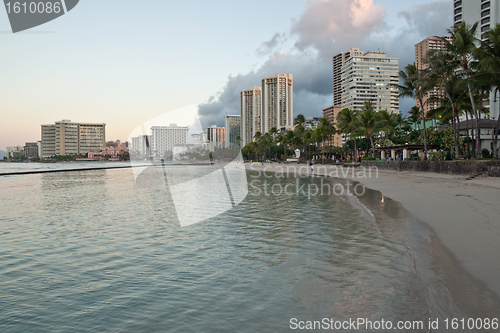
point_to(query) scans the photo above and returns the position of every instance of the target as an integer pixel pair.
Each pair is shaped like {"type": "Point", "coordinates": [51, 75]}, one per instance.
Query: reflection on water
{"type": "Point", "coordinates": [91, 251]}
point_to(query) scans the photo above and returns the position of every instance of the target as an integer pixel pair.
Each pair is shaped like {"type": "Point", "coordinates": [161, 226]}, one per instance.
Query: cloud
{"type": "Point", "coordinates": [422, 21]}
{"type": "Point", "coordinates": [325, 28]}
{"type": "Point", "coordinates": [269, 46]}
{"type": "Point", "coordinates": [429, 19]}
{"type": "Point", "coordinates": [331, 26]}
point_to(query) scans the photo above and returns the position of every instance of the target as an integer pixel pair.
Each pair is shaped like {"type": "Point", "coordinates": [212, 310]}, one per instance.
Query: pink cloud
{"type": "Point", "coordinates": [331, 26]}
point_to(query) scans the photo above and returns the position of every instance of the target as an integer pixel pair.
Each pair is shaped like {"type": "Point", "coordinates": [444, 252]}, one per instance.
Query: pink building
{"type": "Point", "coordinates": [113, 152]}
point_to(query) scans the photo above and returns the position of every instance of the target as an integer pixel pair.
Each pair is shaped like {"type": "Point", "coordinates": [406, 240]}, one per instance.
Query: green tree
{"type": "Point", "coordinates": [389, 121]}
{"type": "Point", "coordinates": [414, 86]}
{"type": "Point", "coordinates": [489, 65]}
{"type": "Point", "coordinates": [463, 47]}
{"type": "Point", "coordinates": [345, 122]}
{"type": "Point", "coordinates": [441, 74]}
{"type": "Point", "coordinates": [369, 123]}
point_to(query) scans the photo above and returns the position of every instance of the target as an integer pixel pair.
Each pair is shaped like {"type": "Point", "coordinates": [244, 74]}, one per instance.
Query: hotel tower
{"type": "Point", "coordinates": [251, 113]}
{"type": "Point", "coordinates": [277, 103]}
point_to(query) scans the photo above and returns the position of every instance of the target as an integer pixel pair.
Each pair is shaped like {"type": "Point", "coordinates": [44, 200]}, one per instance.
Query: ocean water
{"type": "Point", "coordinates": [91, 251]}
{"type": "Point", "coordinates": [41, 167]}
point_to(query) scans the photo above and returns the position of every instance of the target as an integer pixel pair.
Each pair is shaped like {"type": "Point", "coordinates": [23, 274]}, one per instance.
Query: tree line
{"type": "Point", "coordinates": [465, 72]}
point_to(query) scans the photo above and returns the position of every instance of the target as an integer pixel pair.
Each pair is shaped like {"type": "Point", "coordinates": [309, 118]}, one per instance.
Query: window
{"type": "Point", "coordinates": [485, 20]}
{"type": "Point", "coordinates": [458, 11]}
{"type": "Point", "coordinates": [458, 3]}
{"type": "Point", "coordinates": [485, 28]}
{"type": "Point", "coordinates": [485, 13]}
{"type": "Point", "coordinates": [458, 17]}
{"type": "Point", "coordinates": [485, 5]}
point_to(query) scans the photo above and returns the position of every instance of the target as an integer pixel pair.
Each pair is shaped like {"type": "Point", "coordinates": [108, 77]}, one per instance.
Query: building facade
{"type": "Point", "coordinates": [487, 13]}
{"type": "Point", "coordinates": [141, 146]}
{"type": "Point", "coordinates": [31, 149]}
{"type": "Point", "coordinates": [232, 131]}
{"type": "Point", "coordinates": [421, 51]}
{"type": "Point", "coordinates": [277, 103]}
{"type": "Point", "coordinates": [371, 77]}
{"type": "Point", "coordinates": [251, 114]}
{"type": "Point", "coordinates": [69, 138]}
{"type": "Point", "coordinates": [331, 114]}
{"type": "Point", "coordinates": [164, 138]}
{"type": "Point", "coordinates": [216, 137]}
{"type": "Point", "coordinates": [15, 151]}
{"type": "Point", "coordinates": [339, 61]}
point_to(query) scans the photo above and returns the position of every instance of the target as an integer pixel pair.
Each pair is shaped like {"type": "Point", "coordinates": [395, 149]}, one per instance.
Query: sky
{"type": "Point", "coordinates": [124, 62]}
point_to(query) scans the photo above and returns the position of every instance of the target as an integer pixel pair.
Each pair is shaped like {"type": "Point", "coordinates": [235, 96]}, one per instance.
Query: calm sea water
{"type": "Point", "coordinates": [90, 251]}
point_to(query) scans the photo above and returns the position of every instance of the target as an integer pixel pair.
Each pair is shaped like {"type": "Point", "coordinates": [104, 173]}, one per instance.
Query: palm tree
{"type": "Point", "coordinates": [307, 140]}
{"type": "Point", "coordinates": [441, 75]}
{"type": "Point", "coordinates": [267, 140]}
{"type": "Point", "coordinates": [345, 122]}
{"type": "Point", "coordinates": [290, 136]}
{"type": "Point", "coordinates": [414, 115]}
{"type": "Point", "coordinates": [257, 136]}
{"type": "Point", "coordinates": [299, 123]}
{"type": "Point", "coordinates": [489, 65]}
{"type": "Point", "coordinates": [282, 139]}
{"type": "Point", "coordinates": [318, 135]}
{"type": "Point", "coordinates": [238, 139]}
{"type": "Point", "coordinates": [463, 48]}
{"type": "Point", "coordinates": [329, 129]}
{"type": "Point", "coordinates": [369, 123]}
{"type": "Point", "coordinates": [389, 122]}
{"type": "Point", "coordinates": [414, 86]}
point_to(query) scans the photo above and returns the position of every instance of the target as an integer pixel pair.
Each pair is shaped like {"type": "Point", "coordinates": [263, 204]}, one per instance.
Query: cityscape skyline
{"type": "Point", "coordinates": [101, 79]}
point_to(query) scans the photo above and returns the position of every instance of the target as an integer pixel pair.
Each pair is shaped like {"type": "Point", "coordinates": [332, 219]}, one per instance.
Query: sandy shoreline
{"type": "Point", "coordinates": [465, 214]}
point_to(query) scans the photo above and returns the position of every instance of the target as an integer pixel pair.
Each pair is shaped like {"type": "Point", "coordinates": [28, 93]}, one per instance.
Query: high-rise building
{"type": "Point", "coordinates": [69, 138]}
{"type": "Point", "coordinates": [48, 141]}
{"type": "Point", "coordinates": [233, 126]}
{"type": "Point", "coordinates": [215, 137]}
{"type": "Point", "coordinates": [277, 103]}
{"type": "Point", "coordinates": [371, 77]}
{"type": "Point", "coordinates": [487, 13]}
{"type": "Point", "coordinates": [251, 114]}
{"type": "Point", "coordinates": [164, 138]}
{"type": "Point", "coordinates": [339, 61]}
{"type": "Point", "coordinates": [331, 114]}
{"type": "Point", "coordinates": [141, 146]}
{"type": "Point", "coordinates": [421, 51]}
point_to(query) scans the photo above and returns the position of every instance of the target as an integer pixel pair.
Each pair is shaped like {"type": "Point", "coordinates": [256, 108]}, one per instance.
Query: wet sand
{"type": "Point", "coordinates": [464, 214]}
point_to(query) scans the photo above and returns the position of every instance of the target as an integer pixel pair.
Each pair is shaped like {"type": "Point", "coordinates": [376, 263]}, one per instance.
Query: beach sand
{"type": "Point", "coordinates": [464, 214]}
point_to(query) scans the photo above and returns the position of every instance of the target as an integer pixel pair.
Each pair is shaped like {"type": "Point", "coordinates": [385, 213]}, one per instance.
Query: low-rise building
{"type": "Point", "coordinates": [15, 151]}
{"type": "Point", "coordinates": [31, 149]}
{"type": "Point", "coordinates": [331, 114]}
{"type": "Point", "coordinates": [109, 152]}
